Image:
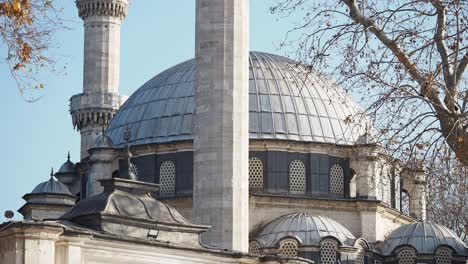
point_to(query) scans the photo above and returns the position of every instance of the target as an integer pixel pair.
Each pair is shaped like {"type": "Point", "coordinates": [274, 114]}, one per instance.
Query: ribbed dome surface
{"type": "Point", "coordinates": [286, 102]}
{"type": "Point", "coordinates": [310, 230]}
{"type": "Point", "coordinates": [51, 186]}
{"type": "Point", "coordinates": [67, 167]}
{"type": "Point", "coordinates": [425, 237]}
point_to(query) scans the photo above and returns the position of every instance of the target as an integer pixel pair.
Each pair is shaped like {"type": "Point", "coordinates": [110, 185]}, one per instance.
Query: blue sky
{"type": "Point", "coordinates": [155, 35]}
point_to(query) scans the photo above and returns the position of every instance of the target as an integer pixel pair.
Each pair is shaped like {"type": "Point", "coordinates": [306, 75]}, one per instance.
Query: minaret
{"type": "Point", "coordinates": [221, 140]}
{"type": "Point", "coordinates": [93, 109]}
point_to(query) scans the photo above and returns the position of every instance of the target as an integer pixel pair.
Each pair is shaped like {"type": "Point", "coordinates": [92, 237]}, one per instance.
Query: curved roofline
{"type": "Point", "coordinates": [363, 240]}
{"type": "Point", "coordinates": [425, 237]}
{"type": "Point", "coordinates": [298, 240]}
{"type": "Point", "coordinates": [400, 247]}
{"type": "Point", "coordinates": [454, 252]}
{"type": "Point", "coordinates": [332, 238]}
{"type": "Point", "coordinates": [56, 186]}
{"type": "Point", "coordinates": [286, 102]}
{"type": "Point", "coordinates": [309, 229]}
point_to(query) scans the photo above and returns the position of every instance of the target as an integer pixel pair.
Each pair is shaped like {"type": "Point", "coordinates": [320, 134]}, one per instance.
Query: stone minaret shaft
{"type": "Point", "coordinates": [221, 140]}
{"type": "Point", "coordinates": [93, 109]}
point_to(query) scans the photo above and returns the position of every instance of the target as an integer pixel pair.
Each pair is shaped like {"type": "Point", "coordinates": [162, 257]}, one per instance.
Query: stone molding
{"type": "Point", "coordinates": [83, 118]}
{"type": "Point", "coordinates": [114, 8]}
{"type": "Point", "coordinates": [314, 203]}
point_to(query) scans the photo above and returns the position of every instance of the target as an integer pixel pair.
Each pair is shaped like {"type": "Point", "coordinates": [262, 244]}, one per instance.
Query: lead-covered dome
{"type": "Point", "coordinates": [425, 237]}
{"type": "Point", "coordinates": [68, 166]}
{"type": "Point", "coordinates": [51, 187]}
{"type": "Point", "coordinates": [286, 102]}
{"type": "Point", "coordinates": [308, 229]}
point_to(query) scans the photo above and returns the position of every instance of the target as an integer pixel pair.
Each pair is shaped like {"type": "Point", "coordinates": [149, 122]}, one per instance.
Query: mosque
{"type": "Point", "coordinates": [231, 157]}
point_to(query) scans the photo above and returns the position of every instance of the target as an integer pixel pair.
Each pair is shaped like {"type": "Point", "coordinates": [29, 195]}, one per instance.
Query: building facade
{"type": "Point", "coordinates": [231, 157]}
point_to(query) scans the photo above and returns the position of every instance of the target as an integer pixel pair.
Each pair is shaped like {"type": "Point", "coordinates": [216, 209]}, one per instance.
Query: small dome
{"type": "Point", "coordinates": [51, 187]}
{"type": "Point", "coordinates": [68, 166]}
{"type": "Point", "coordinates": [308, 229]}
{"type": "Point", "coordinates": [286, 102]}
{"type": "Point", "coordinates": [425, 237]}
{"type": "Point", "coordinates": [103, 141]}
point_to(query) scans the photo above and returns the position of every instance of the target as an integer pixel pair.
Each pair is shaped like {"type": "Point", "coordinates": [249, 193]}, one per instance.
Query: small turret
{"type": "Point", "coordinates": [68, 175]}
{"type": "Point", "coordinates": [102, 155]}
{"type": "Point", "coordinates": [49, 200]}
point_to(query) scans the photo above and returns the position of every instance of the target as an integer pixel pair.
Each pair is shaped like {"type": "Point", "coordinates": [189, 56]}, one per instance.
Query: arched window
{"type": "Point", "coordinates": [443, 256]}
{"type": "Point", "coordinates": [359, 254]}
{"type": "Point", "coordinates": [255, 174]}
{"type": "Point", "coordinates": [167, 176]}
{"type": "Point", "coordinates": [336, 181]}
{"type": "Point", "coordinates": [328, 250]}
{"type": "Point", "coordinates": [297, 177]}
{"type": "Point", "coordinates": [254, 247]}
{"type": "Point", "coordinates": [395, 193]}
{"type": "Point", "coordinates": [406, 256]}
{"type": "Point", "coordinates": [288, 247]}
{"type": "Point", "coordinates": [352, 183]}
{"type": "Point", "coordinates": [405, 202]}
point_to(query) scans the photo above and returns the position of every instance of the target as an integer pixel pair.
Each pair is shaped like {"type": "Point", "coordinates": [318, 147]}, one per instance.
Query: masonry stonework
{"type": "Point", "coordinates": [93, 109]}
{"type": "Point", "coordinates": [221, 140]}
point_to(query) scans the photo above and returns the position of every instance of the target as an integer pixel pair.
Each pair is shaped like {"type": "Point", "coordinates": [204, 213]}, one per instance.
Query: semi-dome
{"type": "Point", "coordinates": [286, 102]}
{"type": "Point", "coordinates": [308, 229]}
{"type": "Point", "coordinates": [425, 237]}
{"type": "Point", "coordinates": [51, 186]}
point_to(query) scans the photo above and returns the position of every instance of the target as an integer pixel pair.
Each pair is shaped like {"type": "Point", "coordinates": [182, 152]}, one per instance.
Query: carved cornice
{"type": "Point", "coordinates": [94, 109]}
{"type": "Point", "coordinates": [113, 8]}
{"type": "Point", "coordinates": [83, 118]}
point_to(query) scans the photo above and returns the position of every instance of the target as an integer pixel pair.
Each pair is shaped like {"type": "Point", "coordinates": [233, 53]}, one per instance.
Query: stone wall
{"type": "Point", "coordinates": [371, 220]}
{"type": "Point", "coordinates": [53, 243]}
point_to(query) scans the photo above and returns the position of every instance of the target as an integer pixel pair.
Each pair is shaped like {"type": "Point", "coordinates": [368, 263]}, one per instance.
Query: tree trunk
{"type": "Point", "coordinates": [455, 134]}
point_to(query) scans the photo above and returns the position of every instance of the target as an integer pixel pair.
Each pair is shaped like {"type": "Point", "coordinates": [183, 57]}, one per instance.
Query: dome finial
{"type": "Point", "coordinates": [68, 156]}
{"type": "Point", "coordinates": [51, 172]}
{"type": "Point", "coordinates": [126, 136]}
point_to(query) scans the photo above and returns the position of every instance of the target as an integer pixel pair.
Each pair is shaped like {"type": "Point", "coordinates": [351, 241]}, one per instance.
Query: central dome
{"type": "Point", "coordinates": [286, 102]}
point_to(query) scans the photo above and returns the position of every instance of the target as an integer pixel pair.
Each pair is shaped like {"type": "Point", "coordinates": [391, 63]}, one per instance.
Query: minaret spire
{"type": "Point", "coordinates": [100, 99]}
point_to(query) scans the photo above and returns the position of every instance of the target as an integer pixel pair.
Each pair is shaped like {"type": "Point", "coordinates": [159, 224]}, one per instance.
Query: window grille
{"type": "Point", "coordinates": [328, 252]}
{"type": "Point", "coordinates": [254, 248]}
{"type": "Point", "coordinates": [288, 248]}
{"type": "Point", "coordinates": [297, 177]}
{"type": "Point", "coordinates": [336, 181]}
{"type": "Point", "coordinates": [406, 257]}
{"type": "Point", "coordinates": [167, 175]}
{"type": "Point", "coordinates": [134, 169]}
{"type": "Point", "coordinates": [443, 256]}
{"type": "Point", "coordinates": [255, 174]}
